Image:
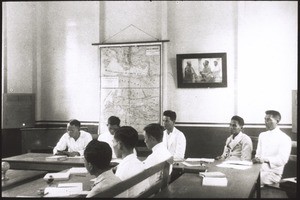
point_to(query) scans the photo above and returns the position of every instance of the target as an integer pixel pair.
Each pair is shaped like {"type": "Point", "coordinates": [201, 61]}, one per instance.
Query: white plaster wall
{"type": "Point", "coordinates": [20, 45]}
{"type": "Point", "coordinates": [201, 27]}
{"type": "Point", "coordinates": [69, 62]}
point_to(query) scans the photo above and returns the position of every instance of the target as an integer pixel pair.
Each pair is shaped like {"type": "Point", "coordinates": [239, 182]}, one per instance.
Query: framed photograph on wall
{"type": "Point", "coordinates": [201, 70]}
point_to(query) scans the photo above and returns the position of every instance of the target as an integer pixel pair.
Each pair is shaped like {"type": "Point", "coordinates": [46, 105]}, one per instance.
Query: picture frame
{"type": "Point", "coordinates": [201, 70]}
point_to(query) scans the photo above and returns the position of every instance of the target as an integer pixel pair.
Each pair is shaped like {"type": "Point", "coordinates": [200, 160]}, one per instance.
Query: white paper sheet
{"type": "Point", "coordinates": [201, 159]}
{"type": "Point", "coordinates": [210, 181]}
{"type": "Point", "coordinates": [78, 170]}
{"type": "Point", "coordinates": [212, 174]}
{"type": "Point", "coordinates": [233, 166]}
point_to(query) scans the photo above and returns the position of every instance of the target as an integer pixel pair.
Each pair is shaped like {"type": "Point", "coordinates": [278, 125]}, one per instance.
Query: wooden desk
{"type": "Point", "coordinates": [37, 161]}
{"type": "Point", "coordinates": [30, 189]}
{"type": "Point", "coordinates": [241, 184]}
{"type": "Point", "coordinates": [18, 177]}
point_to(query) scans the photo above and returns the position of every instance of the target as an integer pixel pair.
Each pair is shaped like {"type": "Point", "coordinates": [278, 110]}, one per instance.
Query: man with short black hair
{"type": "Point", "coordinates": [173, 138]}
{"type": "Point", "coordinates": [124, 142]}
{"type": "Point", "coordinates": [75, 140]}
{"type": "Point", "coordinates": [238, 145]}
{"type": "Point", "coordinates": [97, 157]}
{"type": "Point", "coordinates": [273, 150]}
{"type": "Point", "coordinates": [113, 124]}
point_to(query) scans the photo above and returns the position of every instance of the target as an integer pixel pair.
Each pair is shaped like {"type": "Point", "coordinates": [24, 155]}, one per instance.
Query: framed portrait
{"type": "Point", "coordinates": [201, 70]}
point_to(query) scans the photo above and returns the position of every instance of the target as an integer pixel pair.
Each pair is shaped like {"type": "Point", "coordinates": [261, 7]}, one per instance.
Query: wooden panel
{"type": "Point", "coordinates": [18, 110]}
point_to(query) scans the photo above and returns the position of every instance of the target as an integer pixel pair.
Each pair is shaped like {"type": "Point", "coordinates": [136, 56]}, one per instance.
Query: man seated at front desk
{"type": "Point", "coordinates": [97, 157]}
{"type": "Point", "coordinates": [74, 140]}
{"type": "Point", "coordinates": [238, 145]}
{"type": "Point", "coordinates": [153, 139]}
{"type": "Point", "coordinates": [173, 138]}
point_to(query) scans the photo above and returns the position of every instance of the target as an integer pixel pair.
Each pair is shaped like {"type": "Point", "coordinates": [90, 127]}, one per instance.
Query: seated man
{"type": "Point", "coordinates": [273, 150]}
{"type": "Point", "coordinates": [97, 157]}
{"type": "Point", "coordinates": [75, 140]}
{"type": "Point", "coordinates": [153, 138]}
{"type": "Point", "coordinates": [173, 138]}
{"type": "Point", "coordinates": [125, 139]}
{"type": "Point", "coordinates": [238, 146]}
{"type": "Point", "coordinates": [113, 123]}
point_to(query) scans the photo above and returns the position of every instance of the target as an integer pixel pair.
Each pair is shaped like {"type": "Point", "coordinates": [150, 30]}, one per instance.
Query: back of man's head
{"type": "Point", "coordinates": [128, 136]}
{"type": "Point", "coordinates": [74, 122]}
{"type": "Point", "coordinates": [155, 130]}
{"type": "Point", "coordinates": [275, 114]}
{"type": "Point", "coordinates": [171, 114]}
{"type": "Point", "coordinates": [98, 153]}
{"type": "Point", "coordinates": [113, 120]}
{"type": "Point", "coordinates": [239, 120]}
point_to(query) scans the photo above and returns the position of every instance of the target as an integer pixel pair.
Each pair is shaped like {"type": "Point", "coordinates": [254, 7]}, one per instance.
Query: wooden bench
{"type": "Point", "coordinates": [121, 187]}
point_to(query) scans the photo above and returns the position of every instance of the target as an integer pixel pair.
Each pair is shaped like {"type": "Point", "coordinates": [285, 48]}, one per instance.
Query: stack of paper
{"type": "Point", "coordinates": [58, 176]}
{"type": "Point", "coordinates": [56, 158]}
{"type": "Point", "coordinates": [239, 162]}
{"type": "Point", "coordinates": [208, 160]}
{"type": "Point", "coordinates": [63, 190]}
{"type": "Point", "coordinates": [78, 170]}
{"type": "Point", "coordinates": [213, 179]}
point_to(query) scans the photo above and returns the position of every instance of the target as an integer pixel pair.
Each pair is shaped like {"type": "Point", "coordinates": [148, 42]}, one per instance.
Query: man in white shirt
{"type": "Point", "coordinates": [113, 124]}
{"type": "Point", "coordinates": [238, 145]}
{"type": "Point", "coordinates": [125, 140]}
{"type": "Point", "coordinates": [75, 140]}
{"type": "Point", "coordinates": [97, 157]}
{"type": "Point", "coordinates": [153, 138]}
{"type": "Point", "coordinates": [273, 150]}
{"type": "Point", "coordinates": [173, 138]}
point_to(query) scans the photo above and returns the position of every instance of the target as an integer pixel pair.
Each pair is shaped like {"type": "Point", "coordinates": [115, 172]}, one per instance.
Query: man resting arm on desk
{"type": "Point", "coordinates": [74, 140]}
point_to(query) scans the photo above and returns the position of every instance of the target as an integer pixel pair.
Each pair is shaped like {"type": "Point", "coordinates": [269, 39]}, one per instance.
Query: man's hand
{"type": "Point", "coordinates": [259, 160]}
{"type": "Point", "coordinates": [73, 153]}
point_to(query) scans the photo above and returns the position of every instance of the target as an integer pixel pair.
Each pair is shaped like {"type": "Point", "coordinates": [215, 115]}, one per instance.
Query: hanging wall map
{"type": "Point", "coordinates": [130, 85]}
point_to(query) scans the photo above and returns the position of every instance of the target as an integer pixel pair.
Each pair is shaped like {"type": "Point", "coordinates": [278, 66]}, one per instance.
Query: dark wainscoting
{"type": "Point", "coordinates": [11, 142]}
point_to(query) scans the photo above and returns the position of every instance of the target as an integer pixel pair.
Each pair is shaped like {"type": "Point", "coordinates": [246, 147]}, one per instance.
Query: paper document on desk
{"type": "Point", "coordinates": [212, 181]}
{"type": "Point", "coordinates": [208, 160]}
{"type": "Point", "coordinates": [58, 176]}
{"type": "Point", "coordinates": [192, 164]}
{"type": "Point", "coordinates": [63, 190]}
{"type": "Point", "coordinates": [212, 174]}
{"type": "Point", "coordinates": [239, 162]}
{"type": "Point", "coordinates": [78, 170]}
{"type": "Point", "coordinates": [233, 166]}
{"type": "Point", "coordinates": [56, 158]}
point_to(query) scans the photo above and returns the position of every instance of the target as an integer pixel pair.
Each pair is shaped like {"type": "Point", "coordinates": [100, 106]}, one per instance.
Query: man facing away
{"type": "Point", "coordinates": [97, 157]}
{"type": "Point", "coordinates": [173, 138]}
{"type": "Point", "coordinates": [153, 138]}
{"type": "Point", "coordinates": [124, 142]}
{"type": "Point", "coordinates": [273, 150]}
{"type": "Point", "coordinates": [75, 140]}
{"type": "Point", "coordinates": [113, 123]}
{"type": "Point", "coordinates": [238, 145]}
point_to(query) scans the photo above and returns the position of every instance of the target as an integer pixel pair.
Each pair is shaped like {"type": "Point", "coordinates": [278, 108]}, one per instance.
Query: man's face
{"type": "Point", "coordinates": [117, 148]}
{"type": "Point", "coordinates": [148, 141]}
{"type": "Point", "coordinates": [235, 128]}
{"type": "Point", "coordinates": [112, 128]}
{"type": "Point", "coordinates": [73, 131]}
{"type": "Point", "coordinates": [168, 123]}
{"type": "Point", "coordinates": [270, 122]}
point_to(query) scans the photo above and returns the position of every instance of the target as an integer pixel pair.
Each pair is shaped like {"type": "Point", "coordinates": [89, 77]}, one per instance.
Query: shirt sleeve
{"type": "Point", "coordinates": [225, 148]}
{"type": "Point", "coordinates": [180, 146]}
{"type": "Point", "coordinates": [247, 149]}
{"type": "Point", "coordinates": [283, 154]}
{"type": "Point", "coordinates": [61, 144]}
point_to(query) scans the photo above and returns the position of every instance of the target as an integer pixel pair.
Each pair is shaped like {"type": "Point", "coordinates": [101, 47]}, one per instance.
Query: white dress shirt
{"type": "Point", "coordinates": [68, 142]}
{"type": "Point", "coordinates": [128, 167]}
{"type": "Point", "coordinates": [159, 154]}
{"type": "Point", "coordinates": [108, 138]}
{"type": "Point", "coordinates": [175, 142]}
{"type": "Point", "coordinates": [105, 180]}
{"type": "Point", "coordinates": [275, 146]}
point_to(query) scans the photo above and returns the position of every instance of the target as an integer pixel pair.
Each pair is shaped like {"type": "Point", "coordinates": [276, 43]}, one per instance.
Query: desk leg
{"type": "Point", "coordinates": [258, 187]}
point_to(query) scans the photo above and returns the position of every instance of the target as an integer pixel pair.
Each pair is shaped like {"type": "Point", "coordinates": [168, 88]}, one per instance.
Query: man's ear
{"type": "Point", "coordinates": [89, 166]}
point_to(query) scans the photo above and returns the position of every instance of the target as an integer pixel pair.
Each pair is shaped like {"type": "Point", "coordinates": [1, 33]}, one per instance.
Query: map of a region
{"type": "Point", "coordinates": [130, 85]}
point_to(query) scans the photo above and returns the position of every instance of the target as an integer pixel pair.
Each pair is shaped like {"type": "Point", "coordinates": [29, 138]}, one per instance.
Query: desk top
{"type": "Point", "coordinates": [37, 161]}
{"type": "Point", "coordinates": [189, 185]}
{"type": "Point", "coordinates": [30, 189]}
{"type": "Point", "coordinates": [17, 177]}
